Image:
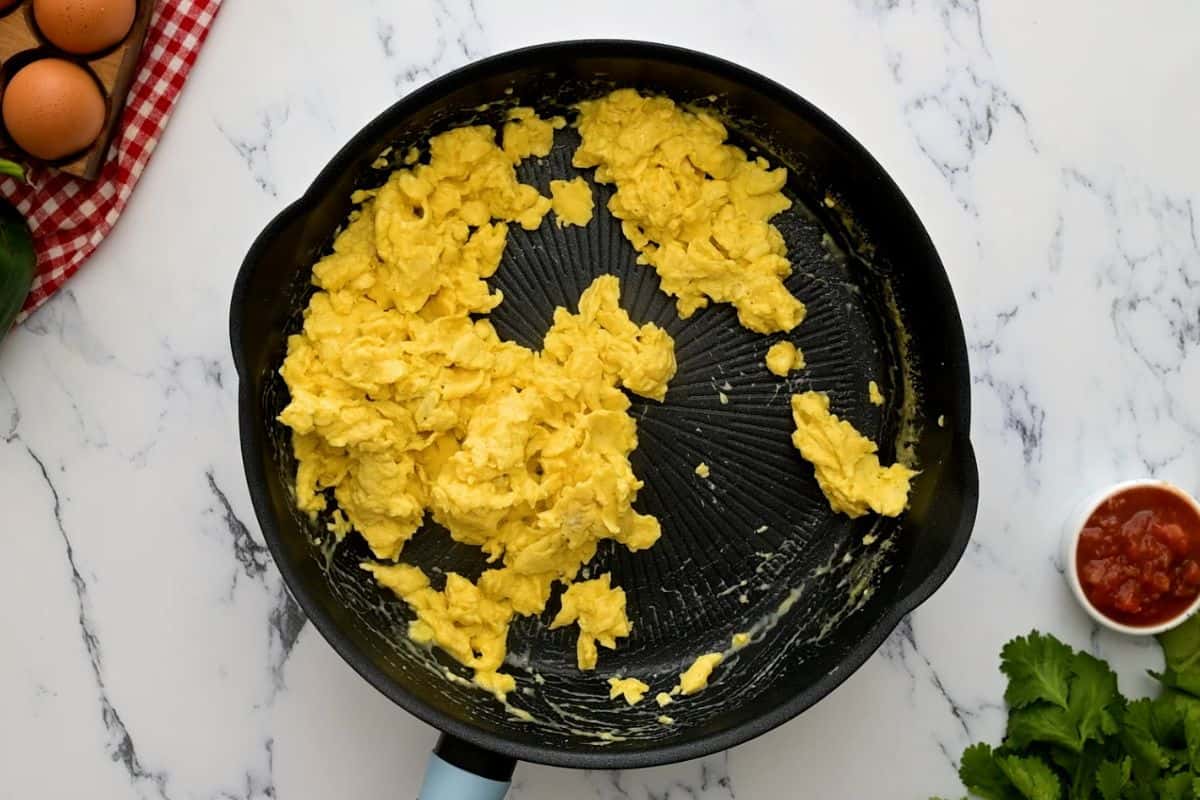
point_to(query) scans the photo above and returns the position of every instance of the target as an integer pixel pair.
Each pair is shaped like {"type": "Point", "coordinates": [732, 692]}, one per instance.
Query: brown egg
{"type": "Point", "coordinates": [53, 108]}
{"type": "Point", "coordinates": [84, 26]}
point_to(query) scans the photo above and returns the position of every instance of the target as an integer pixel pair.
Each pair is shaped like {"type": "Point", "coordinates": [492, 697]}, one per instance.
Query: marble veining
{"type": "Point", "coordinates": [118, 742]}
{"type": "Point", "coordinates": [151, 649]}
{"type": "Point", "coordinates": [255, 151]}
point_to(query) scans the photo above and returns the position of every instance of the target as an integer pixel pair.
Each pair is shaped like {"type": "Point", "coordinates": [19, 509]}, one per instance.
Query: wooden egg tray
{"type": "Point", "coordinates": [21, 43]}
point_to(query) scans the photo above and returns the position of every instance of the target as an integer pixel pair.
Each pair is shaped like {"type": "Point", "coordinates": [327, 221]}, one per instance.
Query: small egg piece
{"type": "Point", "coordinates": [783, 357]}
{"type": "Point", "coordinates": [84, 26]}
{"type": "Point", "coordinates": [52, 109]}
{"type": "Point", "coordinates": [874, 394]}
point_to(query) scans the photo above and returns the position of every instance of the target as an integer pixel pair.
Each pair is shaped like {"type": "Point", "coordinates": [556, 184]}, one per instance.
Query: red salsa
{"type": "Point", "coordinates": [1139, 556]}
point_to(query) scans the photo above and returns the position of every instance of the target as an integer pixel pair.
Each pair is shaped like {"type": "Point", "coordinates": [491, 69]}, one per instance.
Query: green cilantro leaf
{"type": "Point", "coordinates": [1112, 777]}
{"type": "Point", "coordinates": [1174, 787]}
{"type": "Point", "coordinates": [1137, 736]}
{"type": "Point", "coordinates": [1093, 693]}
{"type": "Point", "coordinates": [1141, 791]}
{"type": "Point", "coordinates": [982, 776]}
{"type": "Point", "coordinates": [1184, 703]}
{"type": "Point", "coordinates": [1038, 668]}
{"type": "Point", "coordinates": [1187, 682]}
{"type": "Point", "coordinates": [1181, 646]}
{"type": "Point", "coordinates": [1166, 719]}
{"type": "Point", "coordinates": [1191, 734]}
{"type": "Point", "coordinates": [1042, 723]}
{"type": "Point", "coordinates": [1032, 777]}
{"type": "Point", "coordinates": [1088, 713]}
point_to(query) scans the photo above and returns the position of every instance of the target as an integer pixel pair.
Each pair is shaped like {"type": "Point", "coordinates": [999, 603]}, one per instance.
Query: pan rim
{"type": "Point", "coordinates": [652, 754]}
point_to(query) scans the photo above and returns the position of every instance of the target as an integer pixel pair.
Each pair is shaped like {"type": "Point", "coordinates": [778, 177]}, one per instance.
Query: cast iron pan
{"type": "Point", "coordinates": [753, 547]}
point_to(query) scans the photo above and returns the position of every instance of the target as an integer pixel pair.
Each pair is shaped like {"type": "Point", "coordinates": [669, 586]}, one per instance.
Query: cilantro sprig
{"type": "Point", "coordinates": [1073, 736]}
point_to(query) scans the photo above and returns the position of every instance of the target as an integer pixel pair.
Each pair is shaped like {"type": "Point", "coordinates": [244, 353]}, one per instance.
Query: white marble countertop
{"type": "Point", "coordinates": [1050, 149]}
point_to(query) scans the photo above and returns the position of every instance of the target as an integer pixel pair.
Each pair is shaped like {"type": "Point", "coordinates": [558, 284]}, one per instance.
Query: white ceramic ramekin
{"type": "Point", "coordinates": [1074, 526]}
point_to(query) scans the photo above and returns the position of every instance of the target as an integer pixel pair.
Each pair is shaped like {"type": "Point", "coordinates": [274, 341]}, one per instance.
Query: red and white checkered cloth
{"type": "Point", "coordinates": [70, 216]}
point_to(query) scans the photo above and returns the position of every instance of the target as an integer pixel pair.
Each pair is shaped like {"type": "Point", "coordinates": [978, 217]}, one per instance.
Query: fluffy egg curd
{"type": "Point", "coordinates": [694, 207]}
{"type": "Point", "coordinates": [405, 402]}
{"type": "Point", "coordinates": [783, 357]}
{"type": "Point", "coordinates": [599, 610]}
{"type": "Point", "coordinates": [846, 462]}
{"type": "Point", "coordinates": [695, 678]}
{"type": "Point", "coordinates": [631, 689]}
{"type": "Point", "coordinates": [572, 202]}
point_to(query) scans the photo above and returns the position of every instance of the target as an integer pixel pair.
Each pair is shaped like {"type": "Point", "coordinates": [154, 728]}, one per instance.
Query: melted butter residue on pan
{"type": "Point", "coordinates": [518, 713]}
{"type": "Point", "coordinates": [861, 249]}
{"type": "Point", "coordinates": [863, 245]}
{"type": "Point", "coordinates": [856, 582]}
{"type": "Point", "coordinates": [909, 432]}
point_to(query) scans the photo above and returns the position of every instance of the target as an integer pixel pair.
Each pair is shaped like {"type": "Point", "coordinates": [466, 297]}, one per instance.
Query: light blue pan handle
{"type": "Point", "coordinates": [458, 770]}
{"type": "Point", "coordinates": [447, 782]}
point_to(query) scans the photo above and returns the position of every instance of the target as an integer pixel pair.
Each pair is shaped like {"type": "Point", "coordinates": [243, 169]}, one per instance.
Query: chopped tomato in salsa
{"type": "Point", "coordinates": [1139, 556]}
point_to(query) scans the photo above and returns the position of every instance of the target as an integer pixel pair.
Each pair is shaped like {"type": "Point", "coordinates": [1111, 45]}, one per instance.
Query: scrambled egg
{"type": "Point", "coordinates": [695, 678]}
{"type": "Point", "coordinates": [873, 394]}
{"type": "Point", "coordinates": [467, 621]}
{"type": "Point", "coordinates": [702, 470]}
{"type": "Point", "coordinates": [783, 357]}
{"type": "Point", "coordinates": [599, 610]}
{"type": "Point", "coordinates": [525, 134]}
{"type": "Point", "coordinates": [572, 202]}
{"type": "Point", "coordinates": [631, 689]}
{"type": "Point", "coordinates": [405, 402]}
{"type": "Point", "coordinates": [847, 467]}
{"type": "Point", "coordinates": [695, 208]}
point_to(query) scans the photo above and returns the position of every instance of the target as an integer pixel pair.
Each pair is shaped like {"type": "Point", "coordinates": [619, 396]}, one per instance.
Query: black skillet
{"type": "Point", "coordinates": [755, 546]}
